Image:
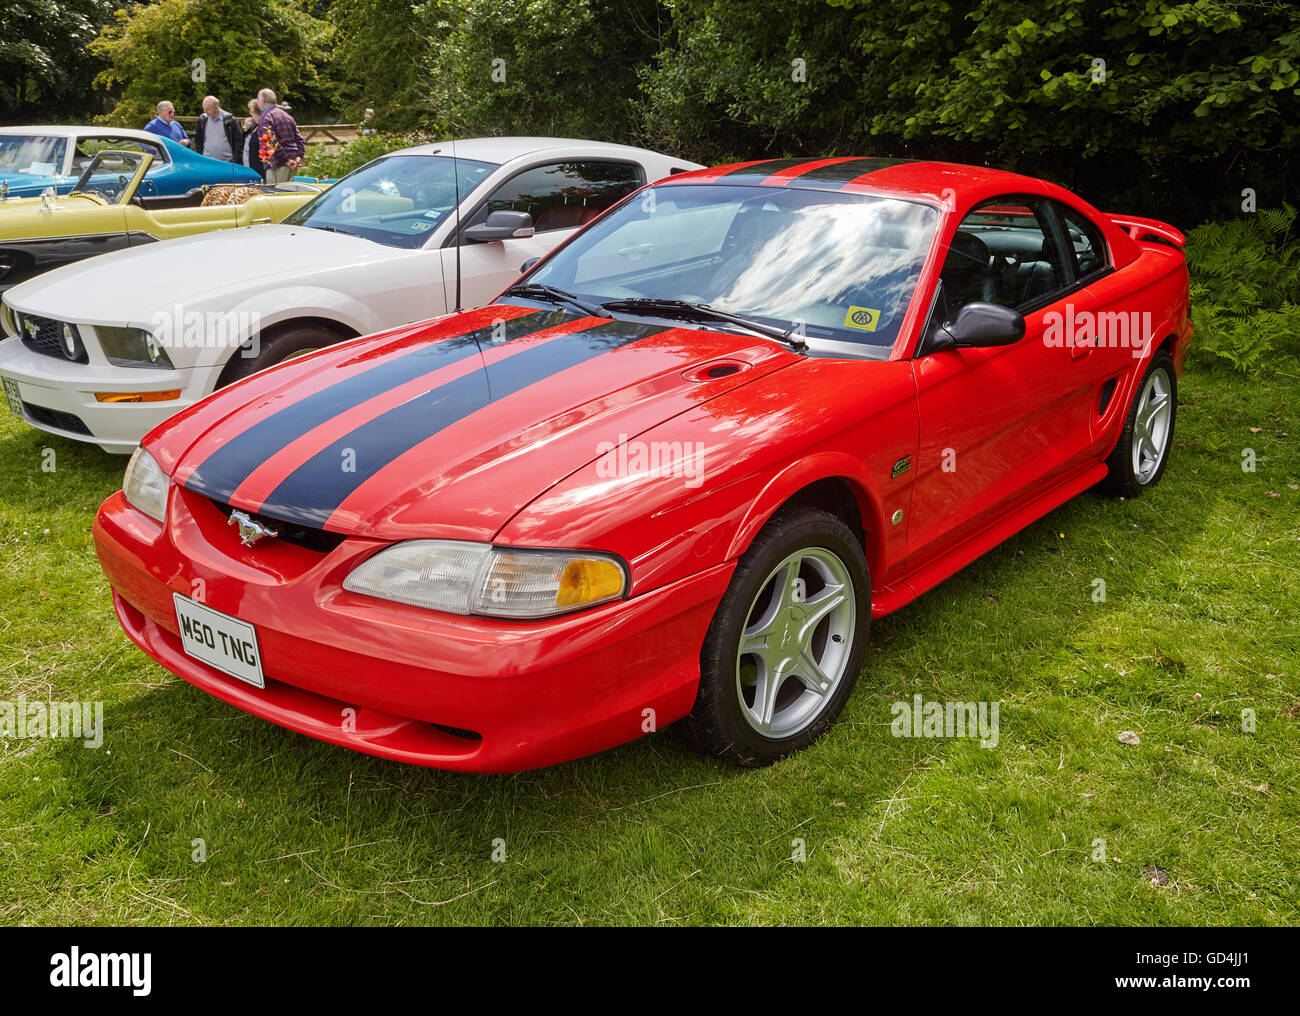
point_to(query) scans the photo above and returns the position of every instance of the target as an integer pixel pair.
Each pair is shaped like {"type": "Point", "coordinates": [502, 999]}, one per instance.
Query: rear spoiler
{"type": "Point", "coordinates": [1148, 229]}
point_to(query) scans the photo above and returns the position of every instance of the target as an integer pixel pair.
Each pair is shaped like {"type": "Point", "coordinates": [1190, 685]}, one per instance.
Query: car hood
{"type": "Point", "coordinates": [34, 206]}
{"type": "Point", "coordinates": [131, 286]}
{"type": "Point", "coordinates": [447, 429]}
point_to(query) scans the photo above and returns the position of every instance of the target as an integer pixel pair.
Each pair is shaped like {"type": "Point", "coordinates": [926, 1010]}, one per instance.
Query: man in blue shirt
{"type": "Point", "coordinates": [166, 125]}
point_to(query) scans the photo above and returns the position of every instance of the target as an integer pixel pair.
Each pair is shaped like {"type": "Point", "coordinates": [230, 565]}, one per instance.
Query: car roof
{"type": "Point", "coordinates": [503, 150]}
{"type": "Point", "coordinates": [916, 178]}
{"type": "Point", "coordinates": [71, 132]}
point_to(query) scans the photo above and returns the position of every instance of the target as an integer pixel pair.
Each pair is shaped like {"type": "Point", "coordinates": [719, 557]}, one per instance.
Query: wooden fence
{"type": "Point", "coordinates": [331, 135]}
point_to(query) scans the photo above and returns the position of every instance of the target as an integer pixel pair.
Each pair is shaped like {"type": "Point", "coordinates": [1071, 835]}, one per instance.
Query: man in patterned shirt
{"type": "Point", "coordinates": [282, 147]}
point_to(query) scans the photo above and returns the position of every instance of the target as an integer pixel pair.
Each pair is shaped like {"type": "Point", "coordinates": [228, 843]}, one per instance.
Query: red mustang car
{"type": "Point", "coordinates": [670, 476]}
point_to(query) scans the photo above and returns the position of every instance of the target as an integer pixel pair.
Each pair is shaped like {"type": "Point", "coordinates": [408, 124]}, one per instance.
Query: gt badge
{"type": "Point", "coordinates": [901, 467]}
{"type": "Point", "coordinates": [863, 318]}
{"type": "Point", "coordinates": [250, 530]}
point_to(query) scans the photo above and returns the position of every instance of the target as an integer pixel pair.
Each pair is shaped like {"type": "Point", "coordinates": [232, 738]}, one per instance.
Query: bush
{"type": "Point", "coordinates": [356, 153]}
{"type": "Point", "coordinates": [1245, 289]}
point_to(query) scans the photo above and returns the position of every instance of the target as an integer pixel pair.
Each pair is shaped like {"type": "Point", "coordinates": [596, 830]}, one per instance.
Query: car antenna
{"type": "Point", "coordinates": [455, 176]}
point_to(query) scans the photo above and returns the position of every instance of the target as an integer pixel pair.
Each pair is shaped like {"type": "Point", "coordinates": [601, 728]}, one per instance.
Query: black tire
{"type": "Point", "coordinates": [717, 723]}
{"type": "Point", "coordinates": [1122, 478]}
{"type": "Point", "coordinates": [293, 341]}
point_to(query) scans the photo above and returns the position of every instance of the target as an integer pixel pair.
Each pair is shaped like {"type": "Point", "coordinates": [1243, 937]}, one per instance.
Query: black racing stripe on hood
{"type": "Point", "coordinates": [313, 491]}
{"type": "Point", "coordinates": [837, 174]}
{"type": "Point", "coordinates": [221, 473]}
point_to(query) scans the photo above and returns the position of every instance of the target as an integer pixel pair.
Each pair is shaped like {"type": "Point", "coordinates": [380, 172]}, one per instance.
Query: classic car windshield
{"type": "Point", "coordinates": [396, 201]}
{"type": "Point", "coordinates": [839, 268]}
{"type": "Point", "coordinates": [31, 153]}
{"type": "Point", "coordinates": [108, 174]}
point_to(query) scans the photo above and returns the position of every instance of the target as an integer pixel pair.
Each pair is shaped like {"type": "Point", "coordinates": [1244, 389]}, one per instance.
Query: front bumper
{"type": "Point", "coordinates": [399, 682]}
{"type": "Point", "coordinates": [59, 397]}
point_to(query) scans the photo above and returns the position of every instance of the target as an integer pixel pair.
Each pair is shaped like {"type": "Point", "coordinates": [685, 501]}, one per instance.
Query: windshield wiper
{"type": "Point", "coordinates": [538, 291]}
{"type": "Point", "coordinates": [688, 311]}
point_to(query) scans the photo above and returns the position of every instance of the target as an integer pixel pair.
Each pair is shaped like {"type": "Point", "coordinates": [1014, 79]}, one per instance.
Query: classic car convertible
{"type": "Point", "coordinates": [36, 159]}
{"type": "Point", "coordinates": [105, 211]}
{"type": "Point", "coordinates": [669, 476]}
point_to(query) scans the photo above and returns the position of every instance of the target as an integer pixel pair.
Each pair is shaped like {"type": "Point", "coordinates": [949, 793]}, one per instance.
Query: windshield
{"type": "Point", "coordinates": [109, 175]}
{"type": "Point", "coordinates": [27, 153]}
{"type": "Point", "coordinates": [396, 201]}
{"type": "Point", "coordinates": [838, 268]}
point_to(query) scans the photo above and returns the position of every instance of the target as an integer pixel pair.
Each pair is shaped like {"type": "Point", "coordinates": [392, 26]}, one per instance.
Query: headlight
{"type": "Point", "coordinates": [132, 347]}
{"type": "Point", "coordinates": [7, 322]}
{"type": "Point", "coordinates": [145, 485]}
{"type": "Point", "coordinates": [476, 578]}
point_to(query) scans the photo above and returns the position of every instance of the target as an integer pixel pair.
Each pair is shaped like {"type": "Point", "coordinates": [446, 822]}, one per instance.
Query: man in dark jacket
{"type": "Point", "coordinates": [218, 135]}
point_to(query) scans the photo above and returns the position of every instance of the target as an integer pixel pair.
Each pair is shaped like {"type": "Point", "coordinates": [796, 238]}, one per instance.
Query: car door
{"type": "Point", "coordinates": [560, 196]}
{"type": "Point", "coordinates": [1105, 341]}
{"type": "Point", "coordinates": [997, 425]}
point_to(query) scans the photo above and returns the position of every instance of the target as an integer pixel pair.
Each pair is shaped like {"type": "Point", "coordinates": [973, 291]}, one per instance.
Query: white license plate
{"type": "Point", "coordinates": [219, 640]}
{"type": "Point", "coordinates": [13, 396]}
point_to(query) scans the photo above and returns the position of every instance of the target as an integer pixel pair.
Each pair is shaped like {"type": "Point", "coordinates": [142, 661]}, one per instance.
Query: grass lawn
{"type": "Point", "coordinates": [1200, 621]}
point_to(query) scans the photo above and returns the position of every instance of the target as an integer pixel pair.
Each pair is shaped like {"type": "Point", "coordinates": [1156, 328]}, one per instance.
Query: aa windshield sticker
{"type": "Point", "coordinates": [862, 318]}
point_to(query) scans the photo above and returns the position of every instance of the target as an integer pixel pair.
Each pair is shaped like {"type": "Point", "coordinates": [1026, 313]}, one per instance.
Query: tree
{"type": "Point", "coordinates": [1124, 98]}
{"type": "Point", "coordinates": [44, 64]}
{"type": "Point", "coordinates": [183, 50]}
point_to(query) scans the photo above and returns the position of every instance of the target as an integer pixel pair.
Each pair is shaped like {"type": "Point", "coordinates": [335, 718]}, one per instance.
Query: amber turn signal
{"type": "Point", "coordinates": [167, 396]}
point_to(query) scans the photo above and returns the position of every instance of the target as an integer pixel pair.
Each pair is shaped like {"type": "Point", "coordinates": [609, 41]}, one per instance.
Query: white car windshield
{"type": "Point", "coordinates": [835, 267]}
{"type": "Point", "coordinates": [32, 154]}
{"type": "Point", "coordinates": [396, 201]}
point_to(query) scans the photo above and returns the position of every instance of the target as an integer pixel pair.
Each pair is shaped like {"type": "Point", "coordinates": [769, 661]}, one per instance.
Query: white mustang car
{"type": "Point", "coordinates": [104, 350]}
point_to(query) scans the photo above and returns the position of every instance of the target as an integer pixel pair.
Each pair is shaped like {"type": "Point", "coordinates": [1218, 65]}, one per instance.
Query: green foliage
{"type": "Point", "coordinates": [384, 52]}
{"type": "Point", "coordinates": [44, 64]}
{"type": "Point", "coordinates": [245, 45]}
{"type": "Point", "coordinates": [356, 153]}
{"type": "Point", "coordinates": [545, 67]}
{"type": "Point", "coordinates": [1245, 289]}
{"type": "Point", "coordinates": [1087, 76]}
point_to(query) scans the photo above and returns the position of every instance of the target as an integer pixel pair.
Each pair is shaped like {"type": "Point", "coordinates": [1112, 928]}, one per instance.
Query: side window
{"type": "Point", "coordinates": [563, 195]}
{"type": "Point", "coordinates": [1003, 253]}
{"type": "Point", "coordinates": [89, 147]}
{"type": "Point", "coordinates": [1087, 246]}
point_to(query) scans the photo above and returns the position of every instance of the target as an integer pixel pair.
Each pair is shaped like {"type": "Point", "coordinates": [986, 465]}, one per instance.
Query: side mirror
{"type": "Point", "coordinates": [528, 264]}
{"type": "Point", "coordinates": [985, 324]}
{"type": "Point", "coordinates": [502, 225]}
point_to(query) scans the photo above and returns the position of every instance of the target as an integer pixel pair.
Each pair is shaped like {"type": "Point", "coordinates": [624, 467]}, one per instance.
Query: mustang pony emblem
{"type": "Point", "coordinates": [250, 530]}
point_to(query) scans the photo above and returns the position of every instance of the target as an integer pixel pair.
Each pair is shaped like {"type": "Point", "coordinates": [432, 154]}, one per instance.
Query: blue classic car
{"type": "Point", "coordinates": [34, 158]}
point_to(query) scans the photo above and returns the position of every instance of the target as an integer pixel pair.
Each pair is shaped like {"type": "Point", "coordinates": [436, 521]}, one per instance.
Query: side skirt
{"type": "Point", "coordinates": [923, 579]}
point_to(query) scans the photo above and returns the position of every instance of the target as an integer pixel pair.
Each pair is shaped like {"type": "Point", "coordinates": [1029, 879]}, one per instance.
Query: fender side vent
{"type": "Point", "coordinates": [1107, 390]}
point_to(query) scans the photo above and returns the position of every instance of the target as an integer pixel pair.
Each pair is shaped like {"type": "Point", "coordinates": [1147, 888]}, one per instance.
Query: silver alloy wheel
{"type": "Point", "coordinates": [796, 643]}
{"type": "Point", "coordinates": [1155, 411]}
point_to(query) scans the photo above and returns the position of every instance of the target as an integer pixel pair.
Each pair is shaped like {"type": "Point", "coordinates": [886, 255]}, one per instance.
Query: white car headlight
{"type": "Point", "coordinates": [8, 324]}
{"type": "Point", "coordinates": [145, 485]}
{"type": "Point", "coordinates": [476, 578]}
